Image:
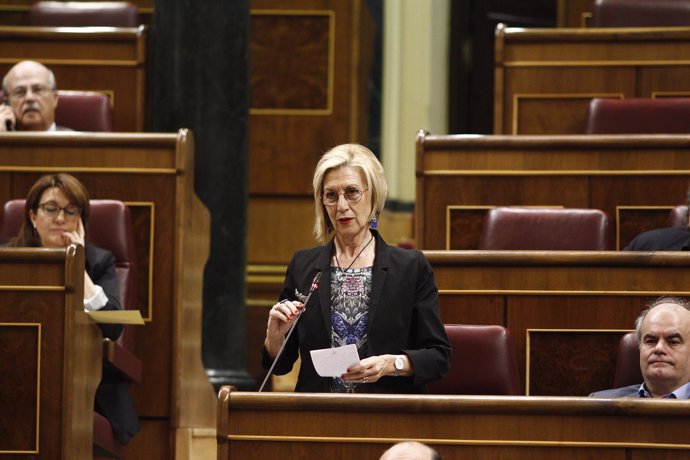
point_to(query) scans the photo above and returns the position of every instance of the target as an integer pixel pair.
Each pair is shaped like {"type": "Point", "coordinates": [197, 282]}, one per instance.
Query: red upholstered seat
{"type": "Point", "coordinates": [640, 13]}
{"type": "Point", "coordinates": [627, 362]}
{"type": "Point", "coordinates": [545, 229]}
{"type": "Point", "coordinates": [84, 111]}
{"type": "Point", "coordinates": [80, 14]}
{"type": "Point", "coordinates": [678, 217]}
{"type": "Point", "coordinates": [484, 362]}
{"type": "Point", "coordinates": [638, 116]}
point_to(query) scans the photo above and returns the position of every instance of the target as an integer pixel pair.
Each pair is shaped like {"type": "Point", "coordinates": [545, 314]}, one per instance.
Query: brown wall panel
{"type": "Point", "coordinates": [319, 50]}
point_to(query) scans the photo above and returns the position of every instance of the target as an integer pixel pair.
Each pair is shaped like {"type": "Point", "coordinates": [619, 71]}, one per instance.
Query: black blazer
{"type": "Point", "coordinates": [403, 318]}
{"type": "Point", "coordinates": [100, 265]}
{"type": "Point", "coordinates": [112, 395]}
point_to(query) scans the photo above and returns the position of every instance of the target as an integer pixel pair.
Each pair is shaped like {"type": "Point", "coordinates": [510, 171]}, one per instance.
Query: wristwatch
{"type": "Point", "coordinates": [399, 364]}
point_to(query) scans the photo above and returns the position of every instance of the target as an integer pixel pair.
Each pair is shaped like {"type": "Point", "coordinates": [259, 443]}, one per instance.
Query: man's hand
{"type": "Point", "coordinates": [7, 118]}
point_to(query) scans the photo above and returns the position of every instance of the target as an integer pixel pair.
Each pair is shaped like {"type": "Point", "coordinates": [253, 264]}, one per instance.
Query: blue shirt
{"type": "Point", "coordinates": [682, 392]}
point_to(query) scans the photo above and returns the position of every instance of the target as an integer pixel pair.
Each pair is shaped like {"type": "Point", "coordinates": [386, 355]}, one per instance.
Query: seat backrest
{"type": "Point", "coordinates": [83, 14]}
{"type": "Point", "coordinates": [484, 362]}
{"type": "Point", "coordinates": [638, 116]}
{"type": "Point", "coordinates": [678, 217]}
{"type": "Point", "coordinates": [640, 13]}
{"type": "Point", "coordinates": [84, 111]}
{"type": "Point", "coordinates": [627, 362]}
{"type": "Point", "coordinates": [545, 229]}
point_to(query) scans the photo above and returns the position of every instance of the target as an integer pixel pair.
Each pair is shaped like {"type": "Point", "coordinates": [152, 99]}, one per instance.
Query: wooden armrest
{"type": "Point", "coordinates": [122, 360]}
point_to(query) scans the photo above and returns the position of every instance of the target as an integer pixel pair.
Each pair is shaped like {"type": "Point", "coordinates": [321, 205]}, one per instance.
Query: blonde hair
{"type": "Point", "coordinates": [355, 156]}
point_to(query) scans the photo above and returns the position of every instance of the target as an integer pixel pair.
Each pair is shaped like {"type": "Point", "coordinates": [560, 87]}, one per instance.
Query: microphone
{"type": "Point", "coordinates": [314, 286]}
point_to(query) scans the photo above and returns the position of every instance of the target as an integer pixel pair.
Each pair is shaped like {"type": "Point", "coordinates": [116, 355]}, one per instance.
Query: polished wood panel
{"type": "Point", "coordinates": [284, 425]}
{"type": "Point", "coordinates": [51, 361]}
{"type": "Point", "coordinates": [635, 179]}
{"type": "Point", "coordinates": [153, 173]}
{"type": "Point", "coordinates": [544, 78]}
{"type": "Point", "coordinates": [109, 60]}
{"type": "Point", "coordinates": [320, 50]}
{"type": "Point", "coordinates": [564, 309]}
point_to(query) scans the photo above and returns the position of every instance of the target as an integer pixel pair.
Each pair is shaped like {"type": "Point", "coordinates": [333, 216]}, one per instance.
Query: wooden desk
{"type": "Point", "coordinates": [565, 310]}
{"type": "Point", "coordinates": [51, 355]}
{"type": "Point", "coordinates": [545, 78]}
{"type": "Point", "coordinates": [104, 59]}
{"type": "Point", "coordinates": [284, 425]}
{"type": "Point", "coordinates": [153, 174]}
{"type": "Point", "coordinates": [635, 179]}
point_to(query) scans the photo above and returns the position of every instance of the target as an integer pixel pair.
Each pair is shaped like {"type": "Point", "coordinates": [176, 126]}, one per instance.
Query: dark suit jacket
{"type": "Point", "coordinates": [100, 265]}
{"type": "Point", "coordinates": [630, 391]}
{"type": "Point", "coordinates": [112, 395]}
{"type": "Point", "coordinates": [403, 318]}
{"type": "Point", "coordinates": [661, 239]}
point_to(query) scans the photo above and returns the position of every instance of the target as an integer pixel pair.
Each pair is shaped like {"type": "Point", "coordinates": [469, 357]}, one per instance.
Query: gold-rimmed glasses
{"type": "Point", "coordinates": [351, 194]}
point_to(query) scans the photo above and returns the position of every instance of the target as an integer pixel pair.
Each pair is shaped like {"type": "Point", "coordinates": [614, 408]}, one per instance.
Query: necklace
{"type": "Point", "coordinates": [356, 257]}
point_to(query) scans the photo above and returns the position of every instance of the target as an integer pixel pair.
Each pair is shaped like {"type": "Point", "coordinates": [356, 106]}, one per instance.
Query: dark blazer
{"type": "Point", "coordinates": [403, 318]}
{"type": "Point", "coordinates": [100, 265]}
{"type": "Point", "coordinates": [112, 395]}
{"type": "Point", "coordinates": [630, 391]}
{"type": "Point", "coordinates": [661, 239]}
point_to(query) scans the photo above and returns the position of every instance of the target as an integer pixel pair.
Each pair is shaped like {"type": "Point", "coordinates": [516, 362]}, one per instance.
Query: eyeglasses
{"type": "Point", "coordinates": [20, 92]}
{"type": "Point", "coordinates": [53, 210]}
{"type": "Point", "coordinates": [351, 194]}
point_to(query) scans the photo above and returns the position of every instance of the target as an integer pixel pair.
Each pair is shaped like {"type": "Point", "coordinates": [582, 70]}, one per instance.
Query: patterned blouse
{"type": "Point", "coordinates": [350, 290]}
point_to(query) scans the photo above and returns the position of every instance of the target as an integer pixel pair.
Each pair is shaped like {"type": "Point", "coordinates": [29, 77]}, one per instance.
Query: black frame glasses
{"type": "Point", "coordinates": [52, 210]}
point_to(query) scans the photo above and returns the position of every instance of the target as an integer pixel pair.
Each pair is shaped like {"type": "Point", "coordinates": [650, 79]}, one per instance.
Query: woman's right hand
{"type": "Point", "coordinates": [280, 318]}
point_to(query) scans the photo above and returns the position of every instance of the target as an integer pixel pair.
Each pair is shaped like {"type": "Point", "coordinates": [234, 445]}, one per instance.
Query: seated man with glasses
{"type": "Point", "coordinates": [30, 98]}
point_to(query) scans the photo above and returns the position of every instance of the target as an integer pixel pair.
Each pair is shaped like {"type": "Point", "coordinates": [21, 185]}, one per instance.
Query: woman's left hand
{"type": "Point", "coordinates": [369, 370]}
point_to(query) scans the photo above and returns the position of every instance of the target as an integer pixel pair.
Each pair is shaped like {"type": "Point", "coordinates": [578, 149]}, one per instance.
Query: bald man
{"type": "Point", "coordinates": [30, 98]}
{"type": "Point", "coordinates": [663, 330]}
{"type": "Point", "coordinates": [410, 451]}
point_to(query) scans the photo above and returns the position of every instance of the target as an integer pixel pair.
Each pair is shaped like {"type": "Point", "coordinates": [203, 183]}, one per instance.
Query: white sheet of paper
{"type": "Point", "coordinates": [333, 362]}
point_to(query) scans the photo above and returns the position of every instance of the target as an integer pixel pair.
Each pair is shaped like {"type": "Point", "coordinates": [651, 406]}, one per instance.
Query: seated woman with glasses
{"type": "Point", "coordinates": [56, 214]}
{"type": "Point", "coordinates": [381, 298]}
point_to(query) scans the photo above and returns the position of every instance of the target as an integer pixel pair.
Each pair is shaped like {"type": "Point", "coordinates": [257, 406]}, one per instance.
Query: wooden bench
{"type": "Point", "coordinates": [52, 353]}
{"type": "Point", "coordinates": [636, 179]}
{"type": "Point", "coordinates": [544, 78]}
{"type": "Point", "coordinates": [153, 174]}
{"type": "Point", "coordinates": [308, 425]}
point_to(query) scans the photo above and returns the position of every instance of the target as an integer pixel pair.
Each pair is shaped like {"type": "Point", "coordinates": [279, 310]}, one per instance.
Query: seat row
{"type": "Point", "coordinates": [484, 362]}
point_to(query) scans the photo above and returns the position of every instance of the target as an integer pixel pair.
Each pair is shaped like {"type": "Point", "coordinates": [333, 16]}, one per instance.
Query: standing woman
{"type": "Point", "coordinates": [56, 214]}
{"type": "Point", "coordinates": [379, 297]}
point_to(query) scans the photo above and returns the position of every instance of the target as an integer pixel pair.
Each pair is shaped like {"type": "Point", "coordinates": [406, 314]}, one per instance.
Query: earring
{"type": "Point", "coordinates": [374, 223]}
